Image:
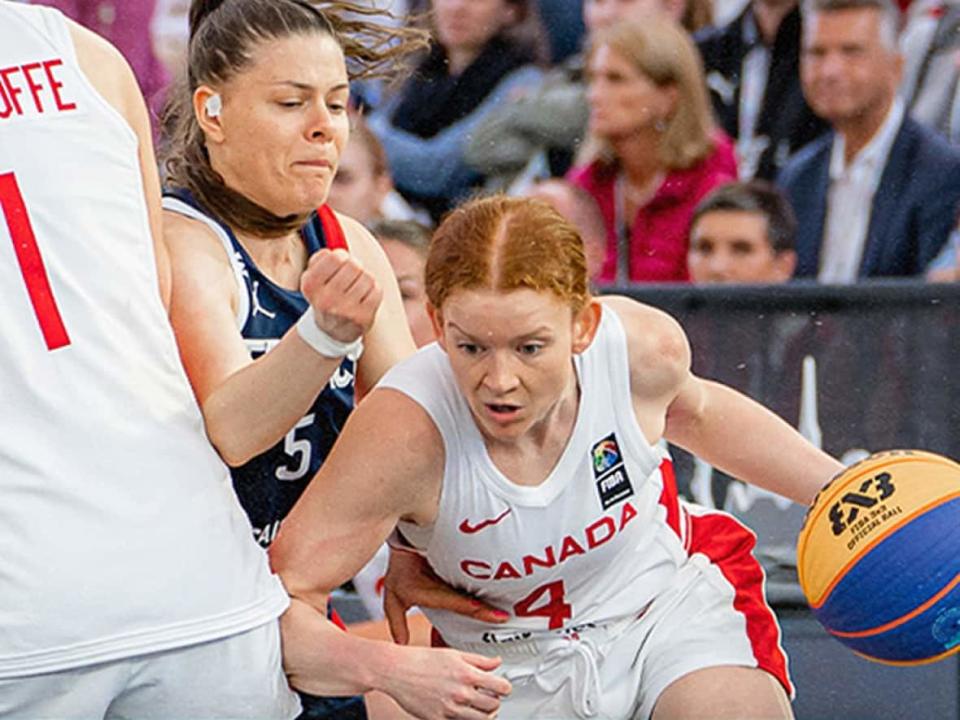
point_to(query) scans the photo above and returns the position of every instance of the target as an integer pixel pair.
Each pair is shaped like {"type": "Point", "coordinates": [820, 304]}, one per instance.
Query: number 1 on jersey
{"type": "Point", "coordinates": [553, 608]}
{"type": "Point", "coordinates": [31, 263]}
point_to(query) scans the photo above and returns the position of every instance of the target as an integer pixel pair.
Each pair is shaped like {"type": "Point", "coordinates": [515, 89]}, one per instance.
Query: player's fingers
{"type": "Point", "coordinates": [396, 613]}
{"type": "Point", "coordinates": [332, 271]}
{"type": "Point", "coordinates": [443, 597]}
{"type": "Point", "coordinates": [468, 712]}
{"type": "Point", "coordinates": [324, 263]}
{"type": "Point", "coordinates": [486, 681]}
{"type": "Point", "coordinates": [485, 702]}
{"type": "Point", "coordinates": [359, 289]}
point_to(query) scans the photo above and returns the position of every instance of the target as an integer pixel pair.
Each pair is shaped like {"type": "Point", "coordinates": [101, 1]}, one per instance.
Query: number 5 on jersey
{"type": "Point", "coordinates": [31, 263]}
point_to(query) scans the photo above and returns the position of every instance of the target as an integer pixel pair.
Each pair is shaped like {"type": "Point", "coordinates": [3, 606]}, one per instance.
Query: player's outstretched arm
{"type": "Point", "coordinates": [426, 682]}
{"type": "Point", "coordinates": [386, 465]}
{"type": "Point", "coordinates": [715, 422]}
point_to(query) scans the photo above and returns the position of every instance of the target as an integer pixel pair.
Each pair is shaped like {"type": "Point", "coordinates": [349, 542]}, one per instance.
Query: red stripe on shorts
{"type": "Point", "coordinates": [729, 545]}
{"type": "Point", "coordinates": [668, 496]}
{"type": "Point", "coordinates": [332, 232]}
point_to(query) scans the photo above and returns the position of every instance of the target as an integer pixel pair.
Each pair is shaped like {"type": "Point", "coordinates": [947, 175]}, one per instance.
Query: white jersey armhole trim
{"type": "Point", "coordinates": [243, 298]}
{"type": "Point", "coordinates": [619, 369]}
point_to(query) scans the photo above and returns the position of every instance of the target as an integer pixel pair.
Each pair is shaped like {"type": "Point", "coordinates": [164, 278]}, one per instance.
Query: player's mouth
{"type": "Point", "coordinates": [502, 412]}
{"type": "Point", "coordinates": [316, 164]}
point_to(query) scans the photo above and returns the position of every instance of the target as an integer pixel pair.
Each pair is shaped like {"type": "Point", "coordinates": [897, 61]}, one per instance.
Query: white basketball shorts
{"type": "Point", "coordinates": [714, 613]}
{"type": "Point", "coordinates": [236, 677]}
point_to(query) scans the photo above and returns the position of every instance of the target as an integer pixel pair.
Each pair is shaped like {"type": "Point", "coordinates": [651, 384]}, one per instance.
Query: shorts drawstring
{"type": "Point", "coordinates": [573, 661]}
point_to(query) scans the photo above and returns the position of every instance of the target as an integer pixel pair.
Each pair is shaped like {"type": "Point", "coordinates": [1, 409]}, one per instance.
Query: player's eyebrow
{"type": "Point", "coordinates": [540, 331]}
{"type": "Point", "coordinates": [309, 87]}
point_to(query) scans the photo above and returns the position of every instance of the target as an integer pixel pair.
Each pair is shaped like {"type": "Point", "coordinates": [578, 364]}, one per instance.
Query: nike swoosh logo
{"type": "Point", "coordinates": [468, 529]}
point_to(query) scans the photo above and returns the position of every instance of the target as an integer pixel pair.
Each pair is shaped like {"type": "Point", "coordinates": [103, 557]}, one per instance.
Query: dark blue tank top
{"type": "Point", "coordinates": [269, 484]}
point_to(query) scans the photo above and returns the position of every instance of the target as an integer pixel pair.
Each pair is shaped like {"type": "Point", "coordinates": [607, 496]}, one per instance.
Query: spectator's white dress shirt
{"type": "Point", "coordinates": [850, 200]}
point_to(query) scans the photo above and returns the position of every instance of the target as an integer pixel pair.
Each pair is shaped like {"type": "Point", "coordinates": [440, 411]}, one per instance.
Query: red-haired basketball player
{"type": "Point", "coordinates": [523, 462]}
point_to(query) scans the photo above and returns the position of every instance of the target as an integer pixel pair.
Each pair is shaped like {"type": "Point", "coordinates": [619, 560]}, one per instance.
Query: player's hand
{"type": "Point", "coordinates": [410, 581]}
{"type": "Point", "coordinates": [343, 295]}
{"type": "Point", "coordinates": [433, 684]}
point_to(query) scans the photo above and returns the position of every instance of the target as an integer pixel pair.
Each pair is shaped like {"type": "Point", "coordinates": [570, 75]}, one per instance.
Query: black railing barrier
{"type": "Point", "coordinates": [885, 373]}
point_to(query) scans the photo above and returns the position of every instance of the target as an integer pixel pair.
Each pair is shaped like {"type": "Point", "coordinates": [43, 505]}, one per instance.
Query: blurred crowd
{"type": "Point", "coordinates": [689, 140]}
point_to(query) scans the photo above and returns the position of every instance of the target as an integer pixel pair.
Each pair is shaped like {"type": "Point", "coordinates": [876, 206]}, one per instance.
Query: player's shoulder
{"type": "Point", "coordinates": [648, 329]}
{"type": "Point", "coordinates": [412, 452]}
{"type": "Point", "coordinates": [359, 238]}
{"type": "Point", "coordinates": [191, 240]}
{"type": "Point", "coordinates": [365, 247]}
{"type": "Point", "coordinates": [657, 346]}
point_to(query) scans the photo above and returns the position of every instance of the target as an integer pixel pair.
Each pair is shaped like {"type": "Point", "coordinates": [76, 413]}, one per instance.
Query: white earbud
{"type": "Point", "coordinates": [213, 106]}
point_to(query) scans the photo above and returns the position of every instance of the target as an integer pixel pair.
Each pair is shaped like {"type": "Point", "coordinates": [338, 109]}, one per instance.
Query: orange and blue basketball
{"type": "Point", "coordinates": [879, 557]}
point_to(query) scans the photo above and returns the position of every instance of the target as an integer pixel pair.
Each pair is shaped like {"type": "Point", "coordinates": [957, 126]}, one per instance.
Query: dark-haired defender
{"type": "Point", "coordinates": [278, 302]}
{"type": "Point", "coordinates": [129, 584]}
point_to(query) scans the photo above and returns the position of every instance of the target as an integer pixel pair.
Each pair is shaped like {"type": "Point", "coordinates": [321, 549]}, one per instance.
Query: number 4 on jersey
{"type": "Point", "coordinates": [31, 263]}
{"type": "Point", "coordinates": [553, 607]}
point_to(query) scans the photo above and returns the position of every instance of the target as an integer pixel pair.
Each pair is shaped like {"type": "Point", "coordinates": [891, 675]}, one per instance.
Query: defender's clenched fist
{"type": "Point", "coordinates": [343, 296]}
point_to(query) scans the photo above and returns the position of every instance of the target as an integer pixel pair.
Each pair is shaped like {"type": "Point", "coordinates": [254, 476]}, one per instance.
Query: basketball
{"type": "Point", "coordinates": [879, 557]}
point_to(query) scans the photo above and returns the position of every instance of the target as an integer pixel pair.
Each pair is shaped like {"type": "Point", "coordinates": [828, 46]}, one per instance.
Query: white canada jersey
{"type": "Point", "coordinates": [594, 543]}
{"type": "Point", "coordinates": [120, 531]}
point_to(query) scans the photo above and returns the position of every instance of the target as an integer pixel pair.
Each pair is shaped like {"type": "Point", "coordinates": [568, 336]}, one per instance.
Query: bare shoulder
{"type": "Point", "coordinates": [188, 235]}
{"type": "Point", "coordinates": [399, 447]}
{"type": "Point", "coordinates": [363, 244]}
{"type": "Point", "coordinates": [196, 251]}
{"type": "Point", "coordinates": [657, 345]}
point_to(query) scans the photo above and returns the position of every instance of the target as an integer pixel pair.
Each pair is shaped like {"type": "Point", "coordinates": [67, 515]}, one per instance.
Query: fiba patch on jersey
{"type": "Point", "coordinates": [609, 471]}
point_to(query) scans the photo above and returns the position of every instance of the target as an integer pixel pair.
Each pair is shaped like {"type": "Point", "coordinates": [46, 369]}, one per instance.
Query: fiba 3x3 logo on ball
{"type": "Point", "coordinates": [879, 557]}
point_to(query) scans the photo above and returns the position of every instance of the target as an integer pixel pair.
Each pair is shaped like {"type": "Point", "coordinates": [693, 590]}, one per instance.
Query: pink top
{"type": "Point", "coordinates": [659, 232]}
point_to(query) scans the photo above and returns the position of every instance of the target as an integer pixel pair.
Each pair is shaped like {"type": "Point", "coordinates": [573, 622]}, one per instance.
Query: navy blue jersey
{"type": "Point", "coordinates": [269, 484]}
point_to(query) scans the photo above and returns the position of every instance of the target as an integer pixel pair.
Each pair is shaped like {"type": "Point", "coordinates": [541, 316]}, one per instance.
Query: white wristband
{"type": "Point", "coordinates": [324, 344]}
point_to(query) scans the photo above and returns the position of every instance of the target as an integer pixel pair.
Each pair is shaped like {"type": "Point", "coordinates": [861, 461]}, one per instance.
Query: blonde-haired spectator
{"type": "Point", "coordinates": [654, 150]}
{"type": "Point", "coordinates": [536, 134]}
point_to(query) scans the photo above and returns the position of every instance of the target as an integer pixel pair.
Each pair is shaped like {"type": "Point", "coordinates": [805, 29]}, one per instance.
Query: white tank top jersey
{"type": "Point", "coordinates": [120, 531]}
{"type": "Point", "coordinates": [592, 544]}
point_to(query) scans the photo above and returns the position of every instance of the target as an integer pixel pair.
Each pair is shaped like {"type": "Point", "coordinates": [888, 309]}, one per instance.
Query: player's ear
{"type": "Point", "coordinates": [585, 324]}
{"type": "Point", "coordinates": [207, 106]}
{"type": "Point", "coordinates": [436, 320]}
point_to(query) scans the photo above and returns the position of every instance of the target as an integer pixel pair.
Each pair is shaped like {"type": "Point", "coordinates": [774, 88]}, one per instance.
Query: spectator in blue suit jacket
{"type": "Point", "coordinates": [878, 195]}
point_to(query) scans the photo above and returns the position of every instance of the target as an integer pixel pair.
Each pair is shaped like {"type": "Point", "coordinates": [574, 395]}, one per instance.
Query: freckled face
{"type": "Point", "coordinates": [284, 125]}
{"type": "Point", "coordinates": [511, 354]}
